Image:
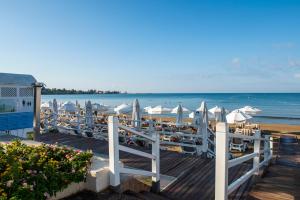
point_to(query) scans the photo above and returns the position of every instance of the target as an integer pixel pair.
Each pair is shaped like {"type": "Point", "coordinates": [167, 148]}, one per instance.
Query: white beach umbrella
{"type": "Point", "coordinates": [68, 107]}
{"type": "Point", "coordinates": [246, 115]}
{"type": "Point", "coordinates": [175, 110]}
{"type": "Point", "coordinates": [211, 116]}
{"type": "Point", "coordinates": [192, 115]}
{"type": "Point", "coordinates": [109, 111]}
{"type": "Point", "coordinates": [47, 106]}
{"type": "Point", "coordinates": [215, 109]}
{"type": "Point", "coordinates": [123, 109]}
{"type": "Point", "coordinates": [250, 110]}
{"type": "Point", "coordinates": [77, 104]}
{"type": "Point", "coordinates": [99, 107]}
{"type": "Point", "coordinates": [136, 114]}
{"type": "Point", "coordinates": [237, 116]}
{"type": "Point", "coordinates": [158, 110]}
{"type": "Point", "coordinates": [146, 109]}
{"type": "Point", "coordinates": [179, 116]}
{"type": "Point", "coordinates": [89, 114]}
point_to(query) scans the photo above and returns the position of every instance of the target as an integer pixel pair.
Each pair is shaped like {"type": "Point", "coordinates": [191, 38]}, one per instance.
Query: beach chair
{"type": "Point", "coordinates": [237, 144]}
{"type": "Point", "coordinates": [187, 149]}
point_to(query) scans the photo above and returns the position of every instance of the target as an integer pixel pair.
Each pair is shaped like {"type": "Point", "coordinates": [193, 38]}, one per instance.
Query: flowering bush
{"type": "Point", "coordinates": [38, 172]}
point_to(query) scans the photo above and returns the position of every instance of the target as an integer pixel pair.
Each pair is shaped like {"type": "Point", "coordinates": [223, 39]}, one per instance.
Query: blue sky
{"type": "Point", "coordinates": [154, 45]}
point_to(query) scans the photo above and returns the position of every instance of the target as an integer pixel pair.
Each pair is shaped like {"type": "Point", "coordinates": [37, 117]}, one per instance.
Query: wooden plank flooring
{"type": "Point", "coordinates": [282, 180]}
{"type": "Point", "coordinates": [195, 175]}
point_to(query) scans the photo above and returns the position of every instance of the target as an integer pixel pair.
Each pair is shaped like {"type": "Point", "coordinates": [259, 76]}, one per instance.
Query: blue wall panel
{"type": "Point", "coordinates": [13, 121]}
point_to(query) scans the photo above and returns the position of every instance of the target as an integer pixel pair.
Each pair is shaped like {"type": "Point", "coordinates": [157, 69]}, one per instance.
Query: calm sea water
{"type": "Point", "coordinates": [277, 107]}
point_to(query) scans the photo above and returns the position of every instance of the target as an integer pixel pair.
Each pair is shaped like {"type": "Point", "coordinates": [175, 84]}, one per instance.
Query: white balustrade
{"type": "Point", "coordinates": [114, 147]}
{"type": "Point", "coordinates": [222, 188]}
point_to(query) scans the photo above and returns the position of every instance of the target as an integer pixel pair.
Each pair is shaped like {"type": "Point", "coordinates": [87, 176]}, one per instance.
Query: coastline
{"type": "Point", "coordinates": [271, 128]}
{"type": "Point", "coordinates": [277, 108]}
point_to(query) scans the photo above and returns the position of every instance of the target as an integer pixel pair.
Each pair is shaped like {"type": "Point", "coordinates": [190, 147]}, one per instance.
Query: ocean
{"type": "Point", "coordinates": [276, 107]}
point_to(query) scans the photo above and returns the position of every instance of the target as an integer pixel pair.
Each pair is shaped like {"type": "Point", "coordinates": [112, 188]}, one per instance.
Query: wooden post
{"type": "Point", "coordinates": [113, 143]}
{"type": "Point", "coordinates": [221, 167]}
{"type": "Point", "coordinates": [256, 150]}
{"type": "Point", "coordinates": [37, 110]}
{"type": "Point", "coordinates": [155, 162]}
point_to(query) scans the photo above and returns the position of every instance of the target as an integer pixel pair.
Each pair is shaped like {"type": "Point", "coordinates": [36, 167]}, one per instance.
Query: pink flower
{"type": "Point", "coordinates": [9, 183]}
{"type": "Point", "coordinates": [46, 194]}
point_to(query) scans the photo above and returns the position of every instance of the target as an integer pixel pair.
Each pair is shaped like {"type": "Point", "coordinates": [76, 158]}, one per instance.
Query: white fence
{"type": "Point", "coordinates": [114, 147]}
{"type": "Point", "coordinates": [222, 189]}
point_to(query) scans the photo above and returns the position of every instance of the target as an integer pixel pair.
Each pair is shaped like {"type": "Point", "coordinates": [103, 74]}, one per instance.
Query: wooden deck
{"type": "Point", "coordinates": [195, 176]}
{"type": "Point", "coordinates": [282, 178]}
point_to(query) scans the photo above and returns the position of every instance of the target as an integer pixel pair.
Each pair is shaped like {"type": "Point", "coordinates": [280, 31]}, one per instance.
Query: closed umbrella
{"type": "Point", "coordinates": [223, 115]}
{"type": "Point", "coordinates": [55, 112]}
{"type": "Point", "coordinates": [55, 107]}
{"type": "Point", "coordinates": [179, 116]}
{"type": "Point", "coordinates": [136, 114]}
{"type": "Point", "coordinates": [203, 110]}
{"type": "Point", "coordinates": [89, 114]}
{"type": "Point", "coordinates": [198, 121]}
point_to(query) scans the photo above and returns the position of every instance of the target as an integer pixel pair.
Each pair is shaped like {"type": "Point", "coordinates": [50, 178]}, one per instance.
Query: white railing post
{"type": "Point", "coordinates": [271, 146]}
{"type": "Point", "coordinates": [113, 144]}
{"type": "Point", "coordinates": [204, 139]}
{"type": "Point", "coordinates": [256, 150]}
{"type": "Point", "coordinates": [221, 167]}
{"type": "Point", "coordinates": [155, 162]}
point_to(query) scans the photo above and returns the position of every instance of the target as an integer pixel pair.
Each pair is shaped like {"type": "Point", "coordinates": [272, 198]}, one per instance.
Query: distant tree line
{"type": "Point", "coordinates": [49, 91]}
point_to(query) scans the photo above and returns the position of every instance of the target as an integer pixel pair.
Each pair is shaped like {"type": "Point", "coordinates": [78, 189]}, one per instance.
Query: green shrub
{"type": "Point", "coordinates": [30, 135]}
{"type": "Point", "coordinates": [38, 172]}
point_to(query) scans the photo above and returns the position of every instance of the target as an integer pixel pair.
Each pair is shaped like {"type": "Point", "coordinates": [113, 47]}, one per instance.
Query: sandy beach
{"type": "Point", "coordinates": [275, 129]}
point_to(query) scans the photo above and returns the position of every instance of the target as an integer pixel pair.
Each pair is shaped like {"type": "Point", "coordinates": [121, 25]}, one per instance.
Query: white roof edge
{"type": "Point", "coordinates": [17, 79]}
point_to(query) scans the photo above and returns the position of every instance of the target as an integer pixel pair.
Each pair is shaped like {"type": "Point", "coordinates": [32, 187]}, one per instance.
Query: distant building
{"type": "Point", "coordinates": [17, 103]}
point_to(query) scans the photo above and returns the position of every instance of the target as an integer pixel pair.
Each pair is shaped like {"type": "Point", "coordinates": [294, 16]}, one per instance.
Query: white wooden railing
{"type": "Point", "coordinates": [114, 147]}
{"type": "Point", "coordinates": [222, 189]}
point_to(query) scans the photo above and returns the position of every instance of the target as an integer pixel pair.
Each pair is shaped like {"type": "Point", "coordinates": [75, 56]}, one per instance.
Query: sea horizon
{"type": "Point", "coordinates": [281, 108]}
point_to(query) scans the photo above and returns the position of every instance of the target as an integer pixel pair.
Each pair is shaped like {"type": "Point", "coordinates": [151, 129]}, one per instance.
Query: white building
{"type": "Point", "coordinates": [17, 103]}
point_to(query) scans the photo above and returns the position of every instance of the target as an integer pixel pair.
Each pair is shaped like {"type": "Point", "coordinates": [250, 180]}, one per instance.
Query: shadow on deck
{"type": "Point", "coordinates": [194, 176]}
{"type": "Point", "coordinates": [282, 178]}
